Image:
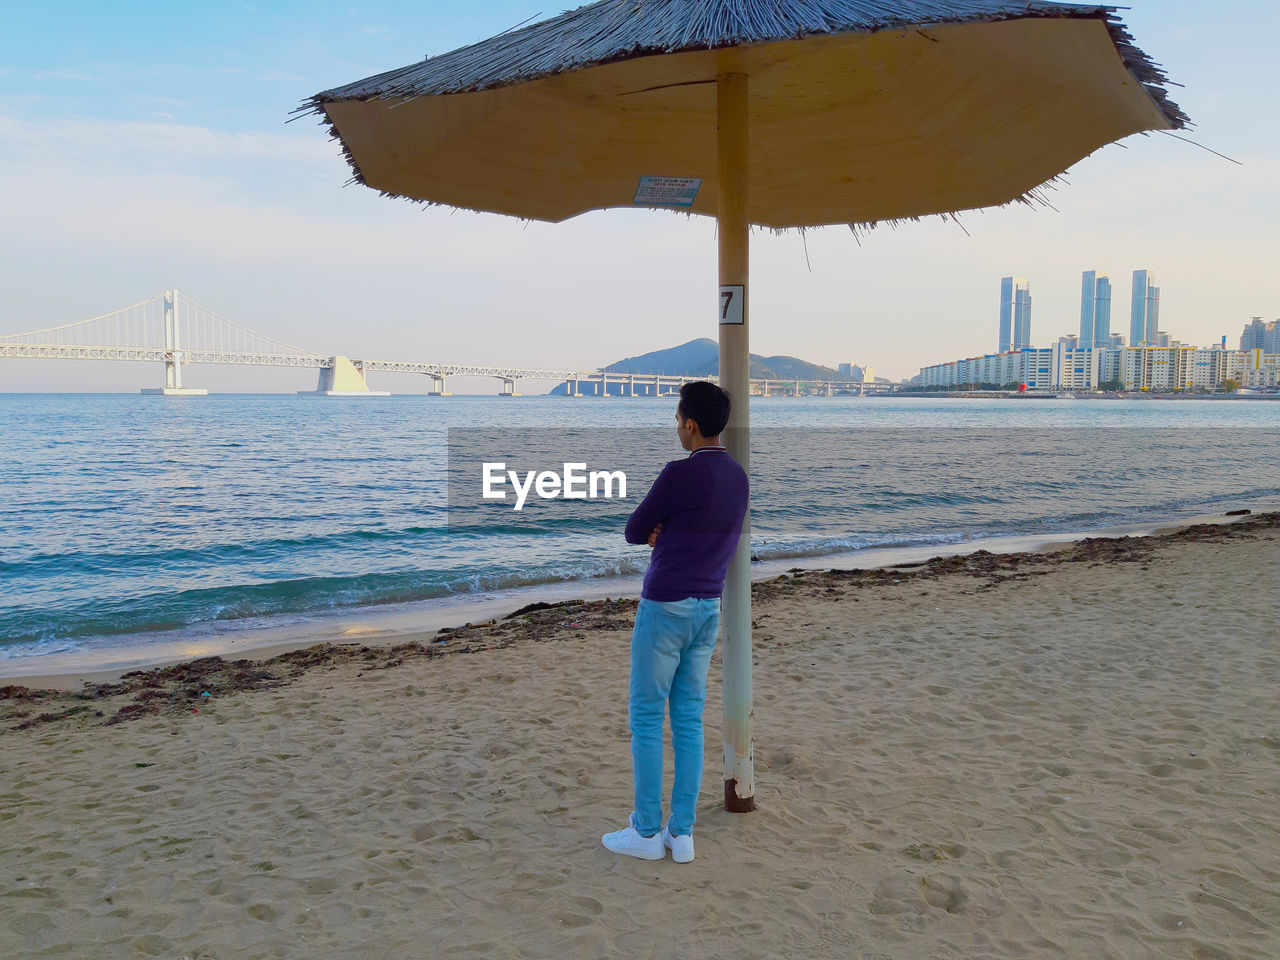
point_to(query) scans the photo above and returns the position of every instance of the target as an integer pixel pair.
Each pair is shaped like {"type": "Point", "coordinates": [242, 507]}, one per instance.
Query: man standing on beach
{"type": "Point", "coordinates": [692, 518]}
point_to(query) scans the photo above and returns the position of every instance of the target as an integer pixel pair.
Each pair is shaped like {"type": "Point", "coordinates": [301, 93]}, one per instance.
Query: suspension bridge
{"type": "Point", "coordinates": [172, 329]}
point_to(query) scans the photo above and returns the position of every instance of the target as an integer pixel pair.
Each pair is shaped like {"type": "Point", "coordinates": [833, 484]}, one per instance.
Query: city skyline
{"type": "Point", "coordinates": [1065, 366]}
{"type": "Point", "coordinates": [1095, 314]}
{"type": "Point", "coordinates": [129, 170]}
{"type": "Point", "coordinates": [1158, 361]}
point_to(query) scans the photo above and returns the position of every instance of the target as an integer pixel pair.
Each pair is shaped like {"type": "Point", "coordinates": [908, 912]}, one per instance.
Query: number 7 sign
{"type": "Point", "coordinates": [731, 302]}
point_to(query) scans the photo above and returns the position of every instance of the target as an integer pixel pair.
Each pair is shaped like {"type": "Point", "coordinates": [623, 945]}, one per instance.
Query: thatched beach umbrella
{"type": "Point", "coordinates": [779, 113]}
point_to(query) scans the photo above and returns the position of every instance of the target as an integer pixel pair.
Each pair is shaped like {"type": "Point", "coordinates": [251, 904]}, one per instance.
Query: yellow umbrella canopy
{"type": "Point", "coordinates": [782, 113]}
{"type": "Point", "coordinates": [859, 111]}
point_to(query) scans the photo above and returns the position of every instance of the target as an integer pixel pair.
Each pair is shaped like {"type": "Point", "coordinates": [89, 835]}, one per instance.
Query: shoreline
{"type": "Point", "coordinates": [1068, 394]}
{"type": "Point", "coordinates": [386, 625]}
{"type": "Point", "coordinates": [409, 629]}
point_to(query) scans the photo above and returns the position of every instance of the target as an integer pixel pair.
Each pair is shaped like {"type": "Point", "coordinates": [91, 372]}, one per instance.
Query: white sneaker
{"type": "Point", "coordinates": [628, 841]}
{"type": "Point", "coordinates": [681, 847]}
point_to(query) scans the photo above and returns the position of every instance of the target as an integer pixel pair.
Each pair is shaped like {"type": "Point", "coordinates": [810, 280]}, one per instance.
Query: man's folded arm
{"type": "Point", "coordinates": [653, 509]}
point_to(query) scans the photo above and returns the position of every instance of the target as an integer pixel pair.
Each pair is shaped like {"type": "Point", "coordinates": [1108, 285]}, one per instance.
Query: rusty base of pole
{"type": "Point", "coordinates": [734, 803]}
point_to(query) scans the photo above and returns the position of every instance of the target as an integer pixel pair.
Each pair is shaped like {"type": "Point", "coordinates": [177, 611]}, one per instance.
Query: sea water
{"type": "Point", "coordinates": [126, 518]}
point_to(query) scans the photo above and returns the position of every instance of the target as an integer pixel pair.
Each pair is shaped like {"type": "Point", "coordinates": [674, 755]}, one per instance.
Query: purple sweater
{"type": "Point", "coordinates": [700, 502]}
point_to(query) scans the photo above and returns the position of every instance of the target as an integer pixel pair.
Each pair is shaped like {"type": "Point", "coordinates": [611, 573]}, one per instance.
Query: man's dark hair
{"type": "Point", "coordinates": [706, 404]}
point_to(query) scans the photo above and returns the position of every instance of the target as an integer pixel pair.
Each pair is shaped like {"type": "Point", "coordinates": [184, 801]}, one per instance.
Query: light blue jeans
{"type": "Point", "coordinates": [671, 649]}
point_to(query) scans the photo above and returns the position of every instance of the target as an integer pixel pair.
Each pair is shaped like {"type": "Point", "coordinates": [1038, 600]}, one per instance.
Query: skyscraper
{"type": "Point", "coordinates": [1261, 336]}
{"type": "Point", "coordinates": [1015, 313]}
{"type": "Point", "coordinates": [1022, 322]}
{"type": "Point", "coordinates": [1095, 309]}
{"type": "Point", "coordinates": [1144, 316]}
{"type": "Point", "coordinates": [1088, 289]}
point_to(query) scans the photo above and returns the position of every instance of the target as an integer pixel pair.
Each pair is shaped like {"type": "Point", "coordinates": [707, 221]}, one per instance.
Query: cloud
{"type": "Point", "coordinates": [72, 138]}
{"type": "Point", "coordinates": [147, 205]}
{"type": "Point", "coordinates": [292, 79]}
{"type": "Point", "coordinates": [75, 76]}
{"type": "Point", "coordinates": [256, 225]}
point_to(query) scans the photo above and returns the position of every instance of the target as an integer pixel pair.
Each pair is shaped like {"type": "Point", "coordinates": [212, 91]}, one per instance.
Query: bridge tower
{"type": "Point", "coordinates": [173, 364]}
{"type": "Point", "coordinates": [343, 378]}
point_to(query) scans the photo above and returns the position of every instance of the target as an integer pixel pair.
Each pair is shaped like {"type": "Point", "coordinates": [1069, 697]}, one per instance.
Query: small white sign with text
{"type": "Point", "coordinates": [668, 191]}
{"type": "Point", "coordinates": [731, 302]}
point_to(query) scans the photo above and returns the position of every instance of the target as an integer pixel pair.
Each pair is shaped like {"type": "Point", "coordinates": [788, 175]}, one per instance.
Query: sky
{"type": "Point", "coordinates": [144, 146]}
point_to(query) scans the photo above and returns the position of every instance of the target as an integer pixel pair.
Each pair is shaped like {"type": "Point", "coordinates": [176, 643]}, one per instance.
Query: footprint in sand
{"type": "Point", "coordinates": [588, 909]}
{"type": "Point", "coordinates": [791, 761]}
{"type": "Point", "coordinates": [929, 851]}
{"type": "Point", "coordinates": [315, 886]}
{"type": "Point", "coordinates": [153, 945]}
{"type": "Point", "coordinates": [30, 924]}
{"type": "Point", "coordinates": [899, 896]}
{"type": "Point", "coordinates": [894, 897]}
{"type": "Point", "coordinates": [945, 893]}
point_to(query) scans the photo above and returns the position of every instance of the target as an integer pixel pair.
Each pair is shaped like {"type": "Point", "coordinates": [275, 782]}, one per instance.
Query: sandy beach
{"type": "Point", "coordinates": [1069, 754]}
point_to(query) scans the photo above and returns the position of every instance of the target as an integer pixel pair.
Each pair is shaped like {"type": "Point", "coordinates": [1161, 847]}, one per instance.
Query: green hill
{"type": "Point", "coordinates": [701, 358]}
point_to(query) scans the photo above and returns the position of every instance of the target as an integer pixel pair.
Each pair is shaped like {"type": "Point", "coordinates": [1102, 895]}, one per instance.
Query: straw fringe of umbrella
{"type": "Point", "coordinates": [611, 30]}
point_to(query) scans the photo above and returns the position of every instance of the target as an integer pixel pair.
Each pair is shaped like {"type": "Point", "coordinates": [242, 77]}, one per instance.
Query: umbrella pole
{"type": "Point", "coordinates": [734, 235]}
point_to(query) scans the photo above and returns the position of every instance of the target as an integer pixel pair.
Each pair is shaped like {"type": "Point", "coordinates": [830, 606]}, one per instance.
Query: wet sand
{"type": "Point", "coordinates": [1063, 754]}
{"type": "Point", "coordinates": [393, 624]}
